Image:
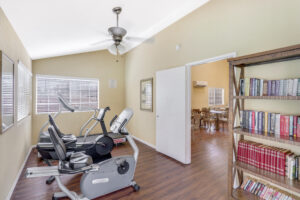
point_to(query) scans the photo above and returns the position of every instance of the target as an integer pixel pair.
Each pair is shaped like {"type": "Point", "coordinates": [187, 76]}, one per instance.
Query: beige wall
{"type": "Point", "coordinates": [219, 27]}
{"type": "Point", "coordinates": [217, 76]}
{"type": "Point", "coordinates": [16, 141]}
{"type": "Point", "coordinates": [100, 65]}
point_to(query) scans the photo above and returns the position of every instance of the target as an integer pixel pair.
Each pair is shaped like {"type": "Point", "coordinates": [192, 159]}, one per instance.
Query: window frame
{"type": "Point", "coordinates": [30, 87]}
{"type": "Point", "coordinates": [65, 78]}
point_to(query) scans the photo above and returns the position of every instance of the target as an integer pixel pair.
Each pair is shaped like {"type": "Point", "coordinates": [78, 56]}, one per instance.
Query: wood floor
{"type": "Point", "coordinates": [159, 176]}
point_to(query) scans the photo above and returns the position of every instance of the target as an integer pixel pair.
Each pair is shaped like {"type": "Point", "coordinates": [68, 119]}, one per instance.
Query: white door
{"type": "Point", "coordinates": [173, 132]}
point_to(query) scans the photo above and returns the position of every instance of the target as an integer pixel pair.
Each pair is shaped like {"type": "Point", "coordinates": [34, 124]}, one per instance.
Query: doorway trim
{"type": "Point", "coordinates": [189, 94]}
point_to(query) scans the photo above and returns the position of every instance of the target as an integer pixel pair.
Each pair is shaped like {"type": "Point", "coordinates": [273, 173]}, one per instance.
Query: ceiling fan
{"type": "Point", "coordinates": [117, 34]}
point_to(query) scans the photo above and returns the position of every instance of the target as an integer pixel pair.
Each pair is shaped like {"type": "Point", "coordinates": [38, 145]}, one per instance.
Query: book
{"type": "Point", "coordinates": [290, 87]}
{"type": "Point", "coordinates": [266, 122]}
{"type": "Point", "coordinates": [295, 87]}
{"type": "Point", "coordinates": [282, 122]}
{"type": "Point", "coordinates": [269, 88]}
{"type": "Point", "coordinates": [285, 87]}
{"type": "Point", "coordinates": [286, 125]}
{"type": "Point", "coordinates": [277, 85]}
{"type": "Point", "coordinates": [273, 88]}
{"type": "Point", "coordinates": [261, 87]}
{"type": "Point", "coordinates": [298, 87]}
{"type": "Point", "coordinates": [273, 120]}
{"type": "Point", "coordinates": [295, 118]}
{"type": "Point", "coordinates": [256, 121]}
{"type": "Point", "coordinates": [277, 124]}
{"type": "Point", "coordinates": [265, 88]}
{"type": "Point", "coordinates": [281, 88]}
{"type": "Point", "coordinates": [298, 127]}
{"type": "Point", "coordinates": [254, 87]}
{"type": "Point", "coordinates": [269, 122]}
{"type": "Point", "coordinates": [257, 87]}
{"type": "Point", "coordinates": [291, 126]}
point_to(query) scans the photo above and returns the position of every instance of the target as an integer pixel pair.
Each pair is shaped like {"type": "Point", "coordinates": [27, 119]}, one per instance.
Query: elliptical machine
{"type": "Point", "coordinates": [98, 178]}
{"type": "Point", "coordinates": [97, 117]}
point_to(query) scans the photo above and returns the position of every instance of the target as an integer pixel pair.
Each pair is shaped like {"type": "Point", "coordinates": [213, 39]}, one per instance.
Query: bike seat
{"type": "Point", "coordinates": [79, 160]}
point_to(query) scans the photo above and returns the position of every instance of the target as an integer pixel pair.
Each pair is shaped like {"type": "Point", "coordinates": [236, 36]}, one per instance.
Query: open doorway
{"type": "Point", "coordinates": [209, 98]}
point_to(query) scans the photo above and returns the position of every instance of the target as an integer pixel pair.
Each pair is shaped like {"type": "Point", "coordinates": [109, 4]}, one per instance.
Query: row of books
{"type": "Point", "coordinates": [264, 191]}
{"type": "Point", "coordinates": [276, 160]}
{"type": "Point", "coordinates": [261, 87]}
{"type": "Point", "coordinates": [279, 124]}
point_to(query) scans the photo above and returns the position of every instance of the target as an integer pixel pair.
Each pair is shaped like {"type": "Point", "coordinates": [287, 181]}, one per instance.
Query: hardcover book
{"type": "Point", "coordinates": [290, 87]}
{"type": "Point", "coordinates": [295, 126]}
{"type": "Point", "coordinates": [298, 87]}
{"type": "Point", "coordinates": [265, 88]}
{"type": "Point", "coordinates": [254, 87]}
{"type": "Point", "coordinates": [282, 122]}
{"type": "Point", "coordinates": [269, 87]}
{"type": "Point", "coordinates": [298, 126]}
{"type": "Point", "coordinates": [273, 89]}
{"type": "Point", "coordinates": [257, 87]}
{"type": "Point", "coordinates": [277, 124]}
{"type": "Point", "coordinates": [273, 121]}
{"type": "Point", "coordinates": [277, 85]}
{"type": "Point", "coordinates": [295, 87]}
{"type": "Point", "coordinates": [281, 88]}
{"type": "Point", "coordinates": [291, 128]}
{"type": "Point", "coordinates": [261, 87]}
{"type": "Point", "coordinates": [285, 87]}
{"type": "Point", "coordinates": [266, 122]}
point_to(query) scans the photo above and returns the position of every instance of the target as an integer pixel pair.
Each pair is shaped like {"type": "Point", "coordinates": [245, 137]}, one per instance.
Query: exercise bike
{"type": "Point", "coordinates": [98, 179]}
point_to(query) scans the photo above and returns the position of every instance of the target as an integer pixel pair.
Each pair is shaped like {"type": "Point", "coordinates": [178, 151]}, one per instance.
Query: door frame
{"type": "Point", "coordinates": [189, 91]}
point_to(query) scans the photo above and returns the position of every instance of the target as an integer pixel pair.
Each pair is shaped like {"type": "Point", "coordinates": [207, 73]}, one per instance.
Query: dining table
{"type": "Point", "coordinates": [218, 112]}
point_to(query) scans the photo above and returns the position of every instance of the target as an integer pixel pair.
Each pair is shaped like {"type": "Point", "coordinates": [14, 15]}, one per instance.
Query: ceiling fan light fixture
{"type": "Point", "coordinates": [113, 49]}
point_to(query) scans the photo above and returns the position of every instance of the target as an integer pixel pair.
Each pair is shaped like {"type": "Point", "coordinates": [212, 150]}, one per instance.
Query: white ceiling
{"type": "Point", "coordinates": [50, 28]}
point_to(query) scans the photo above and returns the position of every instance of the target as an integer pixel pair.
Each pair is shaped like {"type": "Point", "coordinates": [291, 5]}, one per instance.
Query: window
{"type": "Point", "coordinates": [215, 96]}
{"type": "Point", "coordinates": [81, 93]}
{"type": "Point", "coordinates": [24, 91]}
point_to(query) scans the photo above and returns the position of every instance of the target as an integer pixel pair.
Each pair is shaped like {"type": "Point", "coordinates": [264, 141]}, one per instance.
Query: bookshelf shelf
{"type": "Point", "coordinates": [240, 194]}
{"type": "Point", "coordinates": [269, 97]}
{"type": "Point", "coordinates": [293, 185]}
{"type": "Point", "coordinates": [237, 103]}
{"type": "Point", "coordinates": [268, 136]}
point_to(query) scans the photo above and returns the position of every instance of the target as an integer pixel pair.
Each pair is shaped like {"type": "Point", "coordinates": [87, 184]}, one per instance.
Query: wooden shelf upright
{"type": "Point", "coordinates": [236, 104]}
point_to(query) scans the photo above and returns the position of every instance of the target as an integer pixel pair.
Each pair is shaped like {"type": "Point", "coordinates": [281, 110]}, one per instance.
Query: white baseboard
{"type": "Point", "coordinates": [144, 142]}
{"type": "Point", "coordinates": [19, 174]}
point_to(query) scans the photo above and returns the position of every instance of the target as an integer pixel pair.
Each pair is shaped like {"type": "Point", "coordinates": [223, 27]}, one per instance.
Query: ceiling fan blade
{"type": "Point", "coordinates": [101, 42]}
{"type": "Point", "coordinates": [139, 39]}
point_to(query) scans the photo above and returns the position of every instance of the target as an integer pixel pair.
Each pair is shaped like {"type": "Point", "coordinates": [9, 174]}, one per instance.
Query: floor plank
{"type": "Point", "coordinates": [159, 176]}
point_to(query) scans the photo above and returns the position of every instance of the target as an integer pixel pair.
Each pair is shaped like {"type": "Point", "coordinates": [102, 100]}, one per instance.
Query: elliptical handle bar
{"type": "Point", "coordinates": [65, 104]}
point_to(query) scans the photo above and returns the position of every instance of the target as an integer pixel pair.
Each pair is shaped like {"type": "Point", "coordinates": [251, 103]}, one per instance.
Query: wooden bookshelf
{"type": "Point", "coordinates": [293, 185]}
{"type": "Point", "coordinates": [268, 136]}
{"type": "Point", "coordinates": [237, 103]}
{"type": "Point", "coordinates": [240, 194]}
{"type": "Point", "coordinates": [269, 97]}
